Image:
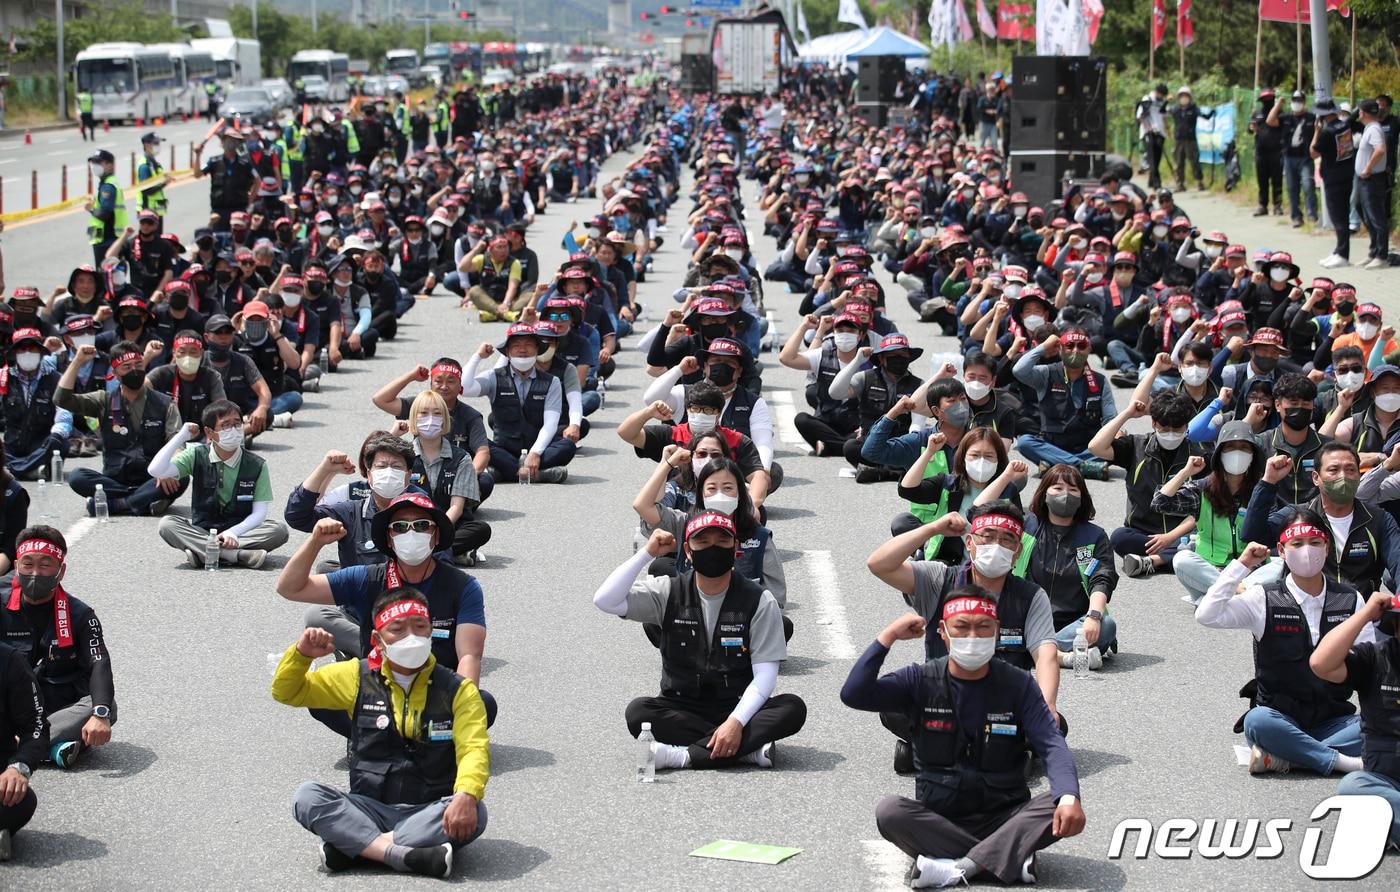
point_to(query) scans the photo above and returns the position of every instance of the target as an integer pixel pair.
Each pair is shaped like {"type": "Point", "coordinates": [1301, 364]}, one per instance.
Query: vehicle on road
{"type": "Point", "coordinates": [333, 68]}
{"type": "Point", "coordinates": [401, 62]}
{"type": "Point", "coordinates": [249, 104]}
{"type": "Point", "coordinates": [373, 86]}
{"type": "Point", "coordinates": [431, 76]}
{"type": "Point", "coordinates": [494, 76]}
{"type": "Point", "coordinates": [237, 60]}
{"type": "Point", "coordinates": [281, 91]}
{"type": "Point", "coordinates": [316, 87]}
{"type": "Point", "coordinates": [396, 83]}
{"type": "Point", "coordinates": [128, 81]}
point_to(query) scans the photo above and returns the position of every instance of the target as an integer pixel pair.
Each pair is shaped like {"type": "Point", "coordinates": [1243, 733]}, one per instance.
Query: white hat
{"type": "Point", "coordinates": [1183, 89]}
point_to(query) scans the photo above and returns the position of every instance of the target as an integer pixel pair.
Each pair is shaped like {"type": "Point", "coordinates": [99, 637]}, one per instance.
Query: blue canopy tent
{"type": "Point", "coordinates": [884, 41]}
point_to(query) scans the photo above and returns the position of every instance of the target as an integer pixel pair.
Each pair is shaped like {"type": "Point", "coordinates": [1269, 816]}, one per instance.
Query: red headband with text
{"type": "Point", "coordinates": [996, 522]}
{"type": "Point", "coordinates": [970, 605]}
{"type": "Point", "coordinates": [400, 609]}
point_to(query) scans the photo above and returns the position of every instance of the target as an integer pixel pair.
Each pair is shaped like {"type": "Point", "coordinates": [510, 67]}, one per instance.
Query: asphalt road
{"type": "Point", "coordinates": [195, 789]}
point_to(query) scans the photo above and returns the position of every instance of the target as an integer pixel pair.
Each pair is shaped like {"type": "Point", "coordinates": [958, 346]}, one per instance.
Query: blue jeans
{"type": "Point", "coordinates": [1126, 358]}
{"type": "Point", "coordinates": [287, 401]}
{"type": "Point", "coordinates": [1314, 748]}
{"type": "Point", "coordinates": [37, 458]}
{"type": "Point", "coordinates": [1369, 783]}
{"type": "Point", "coordinates": [404, 303]}
{"type": "Point", "coordinates": [1037, 450]}
{"type": "Point", "coordinates": [1298, 172]}
{"type": "Point", "coordinates": [592, 399]}
{"type": "Point", "coordinates": [1108, 633]}
{"type": "Point", "coordinates": [453, 282]}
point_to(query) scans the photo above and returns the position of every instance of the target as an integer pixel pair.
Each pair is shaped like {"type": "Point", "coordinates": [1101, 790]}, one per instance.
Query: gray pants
{"type": "Point", "coordinates": [180, 532]}
{"type": "Point", "coordinates": [343, 628]}
{"type": "Point", "coordinates": [350, 822]}
{"type": "Point", "coordinates": [1000, 844]}
{"type": "Point", "coordinates": [67, 723]}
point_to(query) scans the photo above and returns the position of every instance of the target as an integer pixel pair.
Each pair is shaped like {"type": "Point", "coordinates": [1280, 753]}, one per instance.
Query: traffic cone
{"type": "Point", "coordinates": [106, 126]}
{"type": "Point", "coordinates": [28, 140]}
{"type": "Point", "coordinates": [140, 122]}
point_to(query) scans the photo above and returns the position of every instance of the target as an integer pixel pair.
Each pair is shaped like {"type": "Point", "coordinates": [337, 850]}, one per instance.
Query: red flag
{"type": "Point", "coordinates": [1159, 22]}
{"type": "Point", "coordinates": [984, 19]}
{"type": "Point", "coordinates": [1093, 14]}
{"type": "Point", "coordinates": [1014, 21]}
{"type": "Point", "coordinates": [1296, 10]}
{"type": "Point", "coordinates": [1185, 28]}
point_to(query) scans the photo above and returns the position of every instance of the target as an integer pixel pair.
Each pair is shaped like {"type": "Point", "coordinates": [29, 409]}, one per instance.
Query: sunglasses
{"type": "Point", "coordinates": [421, 525]}
{"type": "Point", "coordinates": [558, 317]}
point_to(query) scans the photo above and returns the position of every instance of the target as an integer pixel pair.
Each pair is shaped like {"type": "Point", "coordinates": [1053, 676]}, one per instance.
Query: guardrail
{"type": "Point", "coordinates": [65, 202]}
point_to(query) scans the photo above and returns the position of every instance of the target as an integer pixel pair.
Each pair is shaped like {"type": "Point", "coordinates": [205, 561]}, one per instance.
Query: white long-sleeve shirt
{"type": "Point", "coordinates": [1222, 608]}
{"type": "Point", "coordinates": [163, 465]}
{"type": "Point", "coordinates": [664, 387]}
{"type": "Point", "coordinates": [474, 385]}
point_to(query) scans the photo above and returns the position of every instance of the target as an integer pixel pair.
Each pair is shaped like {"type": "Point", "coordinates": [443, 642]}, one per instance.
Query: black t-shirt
{"type": "Point", "coordinates": [1337, 148]}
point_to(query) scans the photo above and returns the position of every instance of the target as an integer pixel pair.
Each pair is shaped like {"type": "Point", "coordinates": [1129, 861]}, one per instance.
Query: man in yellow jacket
{"type": "Point", "coordinates": [419, 756]}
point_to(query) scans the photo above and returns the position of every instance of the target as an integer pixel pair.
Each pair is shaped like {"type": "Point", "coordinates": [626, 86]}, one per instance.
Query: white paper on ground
{"type": "Point", "coordinates": [1241, 754]}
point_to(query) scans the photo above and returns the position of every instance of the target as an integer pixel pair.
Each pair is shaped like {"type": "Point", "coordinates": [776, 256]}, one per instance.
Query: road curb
{"type": "Point", "coordinates": [173, 178]}
{"type": "Point", "coordinates": [18, 132]}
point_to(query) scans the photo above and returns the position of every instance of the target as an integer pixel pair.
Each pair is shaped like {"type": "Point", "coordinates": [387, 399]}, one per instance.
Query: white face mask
{"type": "Point", "coordinates": [410, 651]}
{"type": "Point", "coordinates": [187, 364]}
{"type": "Point", "coordinates": [1159, 231]}
{"type": "Point", "coordinates": [1388, 402]}
{"type": "Point", "coordinates": [993, 561]}
{"type": "Point", "coordinates": [1297, 107]}
{"type": "Point", "coordinates": [1279, 274]}
{"type": "Point", "coordinates": [84, 340]}
{"type": "Point", "coordinates": [976, 390]}
{"type": "Point", "coordinates": [430, 426]}
{"type": "Point", "coordinates": [1170, 439]}
{"type": "Point", "coordinates": [1118, 215]}
{"type": "Point", "coordinates": [1236, 461]}
{"type": "Point", "coordinates": [291, 300]}
{"type": "Point", "coordinates": [735, 254]}
{"type": "Point", "coordinates": [701, 424]}
{"type": "Point", "coordinates": [96, 170]}
{"type": "Point", "coordinates": [437, 229]}
{"type": "Point", "coordinates": [1019, 212]}
{"type": "Point", "coordinates": [1181, 315]}
{"type": "Point", "coordinates": [522, 363]}
{"type": "Point", "coordinates": [1211, 251]}
{"type": "Point", "coordinates": [1078, 242]}
{"type": "Point", "coordinates": [231, 438]}
{"type": "Point", "coordinates": [846, 341]}
{"type": "Point", "coordinates": [972, 653]}
{"type": "Point", "coordinates": [388, 483]}
{"type": "Point", "coordinates": [1353, 381]}
{"type": "Point", "coordinates": [118, 278]}
{"type": "Point", "coordinates": [1012, 290]}
{"type": "Point", "coordinates": [1194, 375]}
{"type": "Point", "coordinates": [721, 502]}
{"type": "Point", "coordinates": [981, 469]}
{"type": "Point", "coordinates": [1367, 330]}
{"type": "Point", "coordinates": [1032, 323]}
{"type": "Point", "coordinates": [27, 361]}
{"type": "Point", "coordinates": [1305, 560]}
{"type": "Point", "coordinates": [325, 229]}
{"type": "Point", "coordinates": [412, 548]}
{"type": "Point", "coordinates": [1093, 278]}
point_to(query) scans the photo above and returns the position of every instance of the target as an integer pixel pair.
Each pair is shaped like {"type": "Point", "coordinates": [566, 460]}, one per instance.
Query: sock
{"type": "Point", "coordinates": [394, 856]}
{"type": "Point", "coordinates": [228, 555]}
{"type": "Point", "coordinates": [1346, 764]}
{"type": "Point", "coordinates": [969, 867]}
{"type": "Point", "coordinates": [758, 757]}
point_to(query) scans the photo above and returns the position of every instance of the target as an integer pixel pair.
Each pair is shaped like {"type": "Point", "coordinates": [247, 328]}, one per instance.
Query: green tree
{"type": "Point", "coordinates": [126, 21]}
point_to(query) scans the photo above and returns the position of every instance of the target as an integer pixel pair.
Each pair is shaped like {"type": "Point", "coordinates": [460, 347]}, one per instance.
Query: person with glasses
{"type": "Point", "coordinates": [1073, 400]}
{"type": "Point", "coordinates": [231, 495]}
{"type": "Point", "coordinates": [466, 427]}
{"type": "Point", "coordinates": [578, 343]}
{"type": "Point", "coordinates": [410, 530]}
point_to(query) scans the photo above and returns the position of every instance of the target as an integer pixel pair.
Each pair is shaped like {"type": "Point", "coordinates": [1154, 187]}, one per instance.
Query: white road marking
{"type": "Point", "coordinates": [887, 864]}
{"type": "Point", "coordinates": [8, 160]}
{"type": "Point", "coordinates": [831, 612]}
{"type": "Point", "coordinates": [785, 417]}
{"type": "Point", "coordinates": [80, 528]}
{"type": "Point", "coordinates": [56, 154]}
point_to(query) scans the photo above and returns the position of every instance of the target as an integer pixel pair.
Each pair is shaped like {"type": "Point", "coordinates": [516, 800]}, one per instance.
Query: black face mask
{"type": "Point", "coordinates": [713, 562]}
{"type": "Point", "coordinates": [133, 379]}
{"type": "Point", "coordinates": [721, 375]}
{"type": "Point", "coordinates": [1265, 363]}
{"type": "Point", "coordinates": [373, 278]}
{"type": "Point", "coordinates": [1297, 419]}
{"type": "Point", "coordinates": [284, 235]}
{"type": "Point", "coordinates": [264, 271]}
{"type": "Point", "coordinates": [710, 332]}
{"type": "Point", "coordinates": [897, 365]}
{"type": "Point", "coordinates": [1345, 307]}
{"type": "Point", "coordinates": [223, 276]}
{"type": "Point", "coordinates": [36, 588]}
{"type": "Point", "coordinates": [315, 287]}
{"type": "Point", "coordinates": [131, 323]}
{"type": "Point", "coordinates": [179, 300]}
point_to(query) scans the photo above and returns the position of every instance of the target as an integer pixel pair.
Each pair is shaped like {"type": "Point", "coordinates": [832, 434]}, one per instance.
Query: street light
{"type": "Point", "coordinates": [62, 74]}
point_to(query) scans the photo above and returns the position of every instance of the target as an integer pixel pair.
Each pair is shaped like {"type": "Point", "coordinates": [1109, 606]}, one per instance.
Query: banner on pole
{"type": "Point", "coordinates": [1292, 11]}
{"type": "Point", "coordinates": [1213, 133]}
{"type": "Point", "coordinates": [1185, 28]}
{"type": "Point", "coordinates": [1159, 23]}
{"type": "Point", "coordinates": [984, 20]}
{"type": "Point", "coordinates": [1014, 21]}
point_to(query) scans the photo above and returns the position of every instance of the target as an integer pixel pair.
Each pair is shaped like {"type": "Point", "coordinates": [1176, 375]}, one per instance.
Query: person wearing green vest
{"type": "Point", "coordinates": [85, 122]}
{"type": "Point", "coordinates": [1217, 503]}
{"type": "Point", "coordinates": [150, 169]}
{"type": "Point", "coordinates": [352, 141]}
{"type": "Point", "coordinates": [442, 121]}
{"type": "Point", "coordinates": [211, 94]}
{"type": "Point", "coordinates": [293, 152]}
{"type": "Point", "coordinates": [1070, 558]}
{"type": "Point", "coordinates": [106, 208]}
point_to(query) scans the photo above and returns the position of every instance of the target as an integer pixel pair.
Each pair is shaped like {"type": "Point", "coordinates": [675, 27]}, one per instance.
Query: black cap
{"type": "Point", "coordinates": [150, 137]}
{"type": "Point", "coordinates": [1161, 88]}
{"type": "Point", "coordinates": [104, 156]}
{"type": "Point", "coordinates": [1370, 107]}
{"type": "Point", "coordinates": [216, 322]}
{"type": "Point", "coordinates": [1325, 107]}
{"type": "Point", "coordinates": [203, 232]}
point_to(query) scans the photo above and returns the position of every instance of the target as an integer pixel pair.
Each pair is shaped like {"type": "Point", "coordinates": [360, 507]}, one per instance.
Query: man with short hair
{"type": "Point", "coordinates": [231, 496]}
{"type": "Point", "coordinates": [188, 380]}
{"type": "Point", "coordinates": [1373, 162]}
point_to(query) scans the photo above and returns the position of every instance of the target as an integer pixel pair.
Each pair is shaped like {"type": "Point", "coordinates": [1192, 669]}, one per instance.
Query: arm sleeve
{"type": "Point", "coordinates": [663, 387]}
{"type": "Point", "coordinates": [362, 326]}
{"type": "Point", "coordinates": [611, 596]}
{"type": "Point", "coordinates": [765, 678]}
{"type": "Point", "coordinates": [553, 411]}
{"type": "Point", "coordinates": [761, 432]}
{"type": "Point", "coordinates": [98, 662]}
{"type": "Point", "coordinates": [867, 690]}
{"type": "Point", "coordinates": [62, 423]}
{"type": "Point", "coordinates": [1202, 428]}
{"type": "Point", "coordinates": [331, 687]}
{"type": "Point", "coordinates": [844, 380]}
{"type": "Point", "coordinates": [469, 741]}
{"type": "Point", "coordinates": [162, 465]}
{"type": "Point", "coordinates": [255, 517]}
{"type": "Point", "coordinates": [574, 401]}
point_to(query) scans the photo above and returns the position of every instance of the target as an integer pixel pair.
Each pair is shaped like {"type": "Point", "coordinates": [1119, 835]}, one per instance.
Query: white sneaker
{"type": "Point", "coordinates": [937, 873]}
{"type": "Point", "coordinates": [282, 419]}
{"type": "Point", "coordinates": [668, 756]}
{"type": "Point", "coordinates": [1262, 762]}
{"type": "Point", "coordinates": [1333, 261]}
{"type": "Point", "coordinates": [1376, 263]}
{"type": "Point", "coordinates": [1095, 659]}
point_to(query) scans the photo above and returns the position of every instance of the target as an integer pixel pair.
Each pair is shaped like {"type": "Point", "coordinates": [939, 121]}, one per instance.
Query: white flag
{"type": "Point", "coordinates": [1052, 28]}
{"type": "Point", "coordinates": [984, 20]}
{"type": "Point", "coordinates": [802, 24]}
{"type": "Point", "coordinates": [964, 25]}
{"type": "Point", "coordinates": [942, 29]}
{"type": "Point", "coordinates": [849, 12]}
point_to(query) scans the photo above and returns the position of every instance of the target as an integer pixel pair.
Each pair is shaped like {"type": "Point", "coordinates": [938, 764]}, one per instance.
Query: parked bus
{"type": "Point", "coordinates": [499, 54]}
{"type": "Point", "coordinates": [193, 69]}
{"type": "Point", "coordinates": [333, 67]}
{"type": "Point", "coordinates": [401, 62]}
{"type": "Point", "coordinates": [128, 81]}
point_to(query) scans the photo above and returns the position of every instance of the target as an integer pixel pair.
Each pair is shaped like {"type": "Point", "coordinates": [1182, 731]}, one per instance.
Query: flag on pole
{"type": "Point", "coordinates": [1296, 10]}
{"type": "Point", "coordinates": [1093, 14]}
{"type": "Point", "coordinates": [1014, 21]}
{"type": "Point", "coordinates": [802, 24]}
{"type": "Point", "coordinates": [1159, 22]}
{"type": "Point", "coordinates": [1185, 28]}
{"type": "Point", "coordinates": [964, 24]}
{"type": "Point", "coordinates": [849, 12]}
{"type": "Point", "coordinates": [942, 27]}
{"type": "Point", "coordinates": [984, 20]}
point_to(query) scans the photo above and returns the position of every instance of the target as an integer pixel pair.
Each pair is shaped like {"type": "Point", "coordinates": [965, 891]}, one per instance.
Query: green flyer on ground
{"type": "Point", "coordinates": [730, 850]}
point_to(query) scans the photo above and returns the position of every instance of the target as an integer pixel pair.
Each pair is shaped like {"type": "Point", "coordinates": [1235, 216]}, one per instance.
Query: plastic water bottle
{"type": "Point", "coordinates": [41, 494]}
{"type": "Point", "coordinates": [56, 467]}
{"type": "Point", "coordinates": [646, 759]}
{"type": "Point", "coordinates": [524, 479]}
{"type": "Point", "coordinates": [99, 505]}
{"type": "Point", "coordinates": [211, 551]}
{"type": "Point", "coordinates": [1081, 654]}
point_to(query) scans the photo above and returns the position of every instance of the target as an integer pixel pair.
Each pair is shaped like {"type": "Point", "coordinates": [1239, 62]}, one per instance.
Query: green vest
{"type": "Point", "coordinates": [281, 145]}
{"type": "Point", "coordinates": [85, 102]}
{"type": "Point", "coordinates": [443, 119]}
{"type": "Point", "coordinates": [97, 227]}
{"type": "Point", "coordinates": [1027, 546]}
{"type": "Point", "coordinates": [211, 88]}
{"type": "Point", "coordinates": [152, 199]}
{"type": "Point", "coordinates": [293, 145]}
{"type": "Point", "coordinates": [929, 513]}
{"type": "Point", "coordinates": [1217, 538]}
{"type": "Point", "coordinates": [352, 142]}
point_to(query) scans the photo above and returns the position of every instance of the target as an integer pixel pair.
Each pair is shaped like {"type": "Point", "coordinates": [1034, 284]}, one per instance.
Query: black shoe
{"type": "Point", "coordinates": [903, 757]}
{"type": "Point", "coordinates": [1261, 211]}
{"type": "Point", "coordinates": [867, 474]}
{"type": "Point", "coordinates": [334, 860]}
{"type": "Point", "coordinates": [1124, 379]}
{"type": "Point", "coordinates": [1297, 222]}
{"type": "Point", "coordinates": [430, 861]}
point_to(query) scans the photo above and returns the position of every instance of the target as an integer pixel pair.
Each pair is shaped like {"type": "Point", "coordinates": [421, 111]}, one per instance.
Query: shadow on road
{"type": "Point", "coordinates": [792, 757]}
{"type": "Point", "coordinates": [1126, 662]}
{"type": "Point", "coordinates": [496, 859]}
{"type": "Point", "coordinates": [1089, 762]}
{"type": "Point", "coordinates": [1075, 872]}
{"type": "Point", "coordinates": [121, 759]}
{"type": "Point", "coordinates": [505, 758]}
{"type": "Point", "coordinates": [38, 848]}
{"type": "Point", "coordinates": [801, 665]}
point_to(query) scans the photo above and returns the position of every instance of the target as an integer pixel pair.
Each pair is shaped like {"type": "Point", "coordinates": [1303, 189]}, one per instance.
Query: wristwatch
{"type": "Point", "coordinates": [1094, 614]}
{"type": "Point", "coordinates": [23, 769]}
{"type": "Point", "coordinates": [101, 712]}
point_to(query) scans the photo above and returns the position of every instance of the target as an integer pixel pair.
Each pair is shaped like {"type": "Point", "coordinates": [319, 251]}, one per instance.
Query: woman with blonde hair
{"type": "Point", "coordinates": [445, 472]}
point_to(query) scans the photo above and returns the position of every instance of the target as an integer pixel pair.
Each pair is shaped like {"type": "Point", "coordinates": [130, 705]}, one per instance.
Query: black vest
{"type": "Point", "coordinates": [970, 773]}
{"type": "Point", "coordinates": [386, 767]}
{"type": "Point", "coordinates": [697, 668]}
{"type": "Point", "coordinates": [1071, 412]}
{"type": "Point", "coordinates": [205, 510]}
{"type": "Point", "coordinates": [447, 584]}
{"type": "Point", "coordinates": [447, 475]}
{"type": "Point", "coordinates": [193, 397]}
{"type": "Point", "coordinates": [1013, 604]}
{"type": "Point", "coordinates": [27, 425]}
{"type": "Point", "coordinates": [827, 406]}
{"type": "Point", "coordinates": [128, 444]}
{"type": "Point", "coordinates": [1380, 713]}
{"type": "Point", "coordinates": [238, 387]}
{"type": "Point", "coordinates": [59, 670]}
{"type": "Point", "coordinates": [877, 396]}
{"type": "Point", "coordinates": [517, 426]}
{"type": "Point", "coordinates": [1285, 680]}
{"type": "Point", "coordinates": [494, 282]}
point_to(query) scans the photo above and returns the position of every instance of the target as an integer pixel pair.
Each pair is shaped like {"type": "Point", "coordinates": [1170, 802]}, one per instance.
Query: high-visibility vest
{"type": "Point", "coordinates": [352, 142]}
{"type": "Point", "coordinates": [152, 199]}
{"type": "Point", "coordinates": [85, 102]}
{"type": "Point", "coordinates": [97, 227]}
{"type": "Point", "coordinates": [443, 120]}
{"type": "Point", "coordinates": [292, 140]}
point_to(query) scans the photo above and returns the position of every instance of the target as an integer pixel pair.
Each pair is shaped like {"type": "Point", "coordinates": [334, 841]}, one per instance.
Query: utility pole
{"type": "Point", "coordinates": [174, 9]}
{"type": "Point", "coordinates": [62, 73]}
{"type": "Point", "coordinates": [313, 18]}
{"type": "Point", "coordinates": [255, 19]}
{"type": "Point", "coordinates": [1322, 52]}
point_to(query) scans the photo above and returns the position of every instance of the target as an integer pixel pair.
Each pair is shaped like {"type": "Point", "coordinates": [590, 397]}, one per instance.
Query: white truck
{"type": "Point", "coordinates": [237, 60]}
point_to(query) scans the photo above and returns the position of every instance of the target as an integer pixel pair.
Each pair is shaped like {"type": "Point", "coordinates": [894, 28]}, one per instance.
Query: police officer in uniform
{"type": "Point", "coordinates": [442, 120]}
{"type": "Point", "coordinates": [721, 643]}
{"type": "Point", "coordinates": [1073, 400]}
{"type": "Point", "coordinates": [232, 178]}
{"type": "Point", "coordinates": [86, 125]}
{"type": "Point", "coordinates": [151, 172]}
{"type": "Point", "coordinates": [294, 154]}
{"type": "Point", "coordinates": [61, 638]}
{"type": "Point", "coordinates": [1295, 717]}
{"type": "Point", "coordinates": [107, 207]}
{"type": "Point", "coordinates": [134, 422]}
{"type": "Point", "coordinates": [415, 791]}
{"type": "Point", "coordinates": [975, 719]}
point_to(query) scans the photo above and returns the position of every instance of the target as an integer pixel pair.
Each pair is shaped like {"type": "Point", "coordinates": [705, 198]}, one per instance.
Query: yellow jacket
{"type": "Point", "coordinates": [337, 686]}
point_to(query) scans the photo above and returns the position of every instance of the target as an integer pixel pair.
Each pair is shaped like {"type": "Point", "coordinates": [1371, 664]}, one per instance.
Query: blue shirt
{"type": "Point", "coordinates": [349, 588]}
